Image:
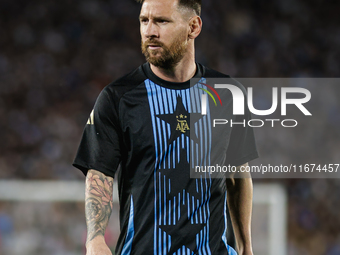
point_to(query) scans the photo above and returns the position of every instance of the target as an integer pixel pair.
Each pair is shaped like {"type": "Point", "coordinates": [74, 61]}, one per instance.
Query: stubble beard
{"type": "Point", "coordinates": [169, 56]}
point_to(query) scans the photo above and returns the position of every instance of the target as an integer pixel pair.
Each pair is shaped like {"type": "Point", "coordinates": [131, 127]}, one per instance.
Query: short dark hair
{"type": "Point", "coordinates": [195, 5]}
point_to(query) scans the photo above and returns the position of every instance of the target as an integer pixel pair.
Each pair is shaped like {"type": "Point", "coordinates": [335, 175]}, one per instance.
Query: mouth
{"type": "Point", "coordinates": [154, 47]}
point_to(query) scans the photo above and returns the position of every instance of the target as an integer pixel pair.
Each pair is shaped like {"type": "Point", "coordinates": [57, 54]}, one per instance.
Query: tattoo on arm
{"type": "Point", "coordinates": [98, 203]}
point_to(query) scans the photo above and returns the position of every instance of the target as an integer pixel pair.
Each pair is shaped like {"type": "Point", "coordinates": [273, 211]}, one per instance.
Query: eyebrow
{"type": "Point", "coordinates": [157, 18]}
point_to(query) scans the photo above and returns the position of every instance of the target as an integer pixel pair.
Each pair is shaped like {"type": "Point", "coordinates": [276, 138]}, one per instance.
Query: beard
{"type": "Point", "coordinates": [169, 56]}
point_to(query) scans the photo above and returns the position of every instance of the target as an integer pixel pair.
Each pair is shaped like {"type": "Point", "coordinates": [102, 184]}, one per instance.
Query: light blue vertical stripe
{"type": "Point", "coordinates": [182, 138]}
{"type": "Point", "coordinates": [164, 243]}
{"type": "Point", "coordinates": [193, 210]}
{"type": "Point", "coordinates": [188, 205]}
{"type": "Point", "coordinates": [163, 104]}
{"type": "Point", "coordinates": [196, 151]}
{"type": "Point", "coordinates": [182, 95]}
{"type": "Point", "coordinates": [202, 201]}
{"type": "Point", "coordinates": [160, 198]}
{"type": "Point", "coordinates": [174, 99]}
{"type": "Point", "coordinates": [169, 212]}
{"type": "Point", "coordinates": [171, 105]}
{"type": "Point", "coordinates": [160, 241]}
{"type": "Point", "coordinates": [183, 197]}
{"type": "Point", "coordinates": [197, 241]}
{"type": "Point", "coordinates": [205, 218]}
{"type": "Point", "coordinates": [161, 147]}
{"type": "Point", "coordinates": [206, 215]}
{"type": "Point", "coordinates": [174, 153]}
{"type": "Point", "coordinates": [188, 149]}
{"type": "Point", "coordinates": [150, 98]}
{"type": "Point", "coordinates": [179, 206]}
{"type": "Point", "coordinates": [159, 100]}
{"type": "Point", "coordinates": [164, 127]}
{"type": "Point", "coordinates": [165, 101]}
{"type": "Point", "coordinates": [204, 241]}
{"type": "Point", "coordinates": [192, 155]}
{"type": "Point", "coordinates": [174, 210]}
{"type": "Point", "coordinates": [200, 243]}
{"type": "Point", "coordinates": [172, 147]}
{"type": "Point", "coordinates": [188, 92]}
{"type": "Point", "coordinates": [169, 150]}
{"type": "Point", "coordinates": [204, 119]}
{"type": "Point", "coordinates": [201, 140]}
{"type": "Point", "coordinates": [224, 235]}
{"type": "Point", "coordinates": [197, 210]}
{"type": "Point", "coordinates": [178, 154]}
{"type": "Point", "coordinates": [208, 119]}
{"type": "Point", "coordinates": [164, 201]}
{"type": "Point", "coordinates": [208, 227]}
{"type": "Point", "coordinates": [197, 102]}
{"type": "Point", "coordinates": [130, 231]}
{"type": "Point", "coordinates": [193, 101]}
{"type": "Point", "coordinates": [204, 245]}
{"type": "Point", "coordinates": [158, 110]}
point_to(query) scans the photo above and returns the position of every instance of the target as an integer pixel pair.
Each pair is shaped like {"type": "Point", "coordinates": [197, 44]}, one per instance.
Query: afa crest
{"type": "Point", "coordinates": [182, 124]}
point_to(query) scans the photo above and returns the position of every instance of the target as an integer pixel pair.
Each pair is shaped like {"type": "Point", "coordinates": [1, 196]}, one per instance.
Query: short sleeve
{"type": "Point", "coordinates": [242, 144]}
{"type": "Point", "coordinates": [99, 148]}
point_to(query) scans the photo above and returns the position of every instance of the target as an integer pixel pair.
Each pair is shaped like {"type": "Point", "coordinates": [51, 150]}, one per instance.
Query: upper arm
{"type": "Point", "coordinates": [100, 146]}
{"type": "Point", "coordinates": [99, 185]}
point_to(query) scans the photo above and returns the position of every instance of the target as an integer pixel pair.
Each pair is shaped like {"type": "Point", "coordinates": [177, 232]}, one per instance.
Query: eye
{"type": "Point", "coordinates": [163, 21]}
{"type": "Point", "coordinates": [144, 21]}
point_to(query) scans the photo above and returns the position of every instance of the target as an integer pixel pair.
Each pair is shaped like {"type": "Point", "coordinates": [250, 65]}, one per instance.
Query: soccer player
{"type": "Point", "coordinates": [141, 124]}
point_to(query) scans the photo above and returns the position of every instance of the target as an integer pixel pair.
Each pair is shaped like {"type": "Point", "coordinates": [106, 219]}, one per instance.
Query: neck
{"type": "Point", "coordinates": [182, 72]}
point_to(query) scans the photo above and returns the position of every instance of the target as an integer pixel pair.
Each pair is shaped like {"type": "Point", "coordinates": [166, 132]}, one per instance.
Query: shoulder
{"type": "Point", "coordinates": [110, 96]}
{"type": "Point", "coordinates": [119, 87]}
{"type": "Point", "coordinates": [210, 73]}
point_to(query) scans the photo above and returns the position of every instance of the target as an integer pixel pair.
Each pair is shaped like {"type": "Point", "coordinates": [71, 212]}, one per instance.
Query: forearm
{"type": "Point", "coordinates": [98, 203]}
{"type": "Point", "coordinates": [240, 195]}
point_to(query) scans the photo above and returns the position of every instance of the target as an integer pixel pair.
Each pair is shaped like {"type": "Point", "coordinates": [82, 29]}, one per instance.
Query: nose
{"type": "Point", "coordinates": [150, 30]}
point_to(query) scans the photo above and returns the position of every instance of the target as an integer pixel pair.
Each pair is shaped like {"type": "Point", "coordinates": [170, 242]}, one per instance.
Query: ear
{"type": "Point", "coordinates": [195, 26]}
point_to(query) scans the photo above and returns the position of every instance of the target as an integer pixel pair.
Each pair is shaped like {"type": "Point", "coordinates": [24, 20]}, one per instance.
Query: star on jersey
{"type": "Point", "coordinates": [182, 118]}
{"type": "Point", "coordinates": [190, 193]}
{"type": "Point", "coordinates": [182, 183]}
{"type": "Point", "coordinates": [179, 239]}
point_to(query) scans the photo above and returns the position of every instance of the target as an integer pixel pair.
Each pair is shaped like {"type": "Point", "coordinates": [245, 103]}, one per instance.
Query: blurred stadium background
{"type": "Point", "coordinates": [56, 56]}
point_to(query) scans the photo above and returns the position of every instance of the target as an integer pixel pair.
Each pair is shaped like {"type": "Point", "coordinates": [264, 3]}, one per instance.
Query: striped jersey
{"type": "Point", "coordinates": [153, 131]}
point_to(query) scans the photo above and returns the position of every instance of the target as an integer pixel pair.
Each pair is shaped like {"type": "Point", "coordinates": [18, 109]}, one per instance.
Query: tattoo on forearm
{"type": "Point", "coordinates": [98, 203]}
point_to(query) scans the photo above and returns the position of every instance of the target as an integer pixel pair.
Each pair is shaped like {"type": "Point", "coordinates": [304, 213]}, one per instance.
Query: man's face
{"type": "Point", "coordinates": [164, 32]}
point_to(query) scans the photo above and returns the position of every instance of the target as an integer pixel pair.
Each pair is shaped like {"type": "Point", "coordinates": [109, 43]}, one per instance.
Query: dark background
{"type": "Point", "coordinates": [56, 56]}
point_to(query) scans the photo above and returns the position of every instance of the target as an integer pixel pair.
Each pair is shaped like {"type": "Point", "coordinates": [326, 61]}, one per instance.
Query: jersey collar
{"type": "Point", "coordinates": [167, 84]}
